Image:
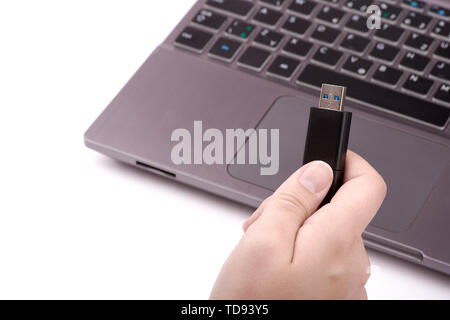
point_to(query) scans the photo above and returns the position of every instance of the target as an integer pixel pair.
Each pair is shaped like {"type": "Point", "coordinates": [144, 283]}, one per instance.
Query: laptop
{"type": "Point", "coordinates": [260, 64]}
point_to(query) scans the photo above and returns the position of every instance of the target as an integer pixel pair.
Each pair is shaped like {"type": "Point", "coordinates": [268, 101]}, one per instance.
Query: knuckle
{"type": "Point", "coordinates": [337, 275]}
{"type": "Point", "coordinates": [291, 202]}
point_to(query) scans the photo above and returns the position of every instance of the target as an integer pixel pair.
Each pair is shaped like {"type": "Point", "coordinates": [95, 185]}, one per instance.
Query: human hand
{"type": "Point", "coordinates": [291, 250]}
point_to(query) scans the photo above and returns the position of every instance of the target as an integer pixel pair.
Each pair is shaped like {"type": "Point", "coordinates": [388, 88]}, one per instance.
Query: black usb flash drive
{"type": "Point", "coordinates": [328, 134]}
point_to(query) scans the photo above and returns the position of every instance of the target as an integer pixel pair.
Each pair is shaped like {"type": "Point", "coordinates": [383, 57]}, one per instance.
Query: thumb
{"type": "Point", "coordinates": [295, 200]}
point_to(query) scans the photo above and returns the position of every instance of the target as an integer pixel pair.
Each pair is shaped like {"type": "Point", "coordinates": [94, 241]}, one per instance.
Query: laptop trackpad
{"type": "Point", "coordinates": [410, 165]}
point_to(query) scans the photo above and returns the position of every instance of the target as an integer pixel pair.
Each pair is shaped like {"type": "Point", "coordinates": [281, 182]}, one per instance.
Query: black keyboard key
{"type": "Point", "coordinates": [442, 29]}
{"type": "Point", "coordinates": [379, 96]}
{"type": "Point", "coordinates": [269, 38]}
{"type": "Point", "coordinates": [418, 84]}
{"type": "Point", "coordinates": [298, 47]}
{"type": "Point", "coordinates": [358, 5]}
{"type": "Point", "coordinates": [267, 16]}
{"type": "Point", "coordinates": [283, 67]}
{"type": "Point", "coordinates": [416, 20]}
{"type": "Point", "coordinates": [439, 11]}
{"type": "Point", "coordinates": [239, 7]}
{"type": "Point", "coordinates": [225, 49]}
{"type": "Point", "coordinates": [325, 34]}
{"type": "Point", "coordinates": [355, 43]}
{"type": "Point", "coordinates": [419, 41]}
{"type": "Point", "coordinates": [389, 32]}
{"type": "Point", "coordinates": [389, 12]}
{"type": "Point", "coordinates": [416, 4]}
{"type": "Point", "coordinates": [254, 58]}
{"type": "Point", "coordinates": [275, 3]}
{"type": "Point", "coordinates": [358, 23]}
{"type": "Point", "coordinates": [443, 93]}
{"type": "Point", "coordinates": [387, 75]}
{"type": "Point", "coordinates": [296, 25]}
{"type": "Point", "coordinates": [414, 61]}
{"type": "Point", "coordinates": [331, 15]}
{"type": "Point", "coordinates": [441, 70]}
{"type": "Point", "coordinates": [304, 7]}
{"type": "Point", "coordinates": [240, 29]}
{"type": "Point", "coordinates": [327, 55]}
{"type": "Point", "coordinates": [333, 1]}
{"type": "Point", "coordinates": [384, 52]}
{"type": "Point", "coordinates": [357, 65]}
{"type": "Point", "coordinates": [193, 38]}
{"type": "Point", "coordinates": [443, 50]}
{"type": "Point", "coordinates": [209, 19]}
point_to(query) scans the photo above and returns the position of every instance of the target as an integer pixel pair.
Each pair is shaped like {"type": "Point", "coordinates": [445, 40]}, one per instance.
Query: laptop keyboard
{"type": "Point", "coordinates": [402, 68]}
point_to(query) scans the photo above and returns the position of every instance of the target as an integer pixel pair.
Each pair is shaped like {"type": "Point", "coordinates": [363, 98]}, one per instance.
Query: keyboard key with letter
{"type": "Point", "coordinates": [375, 95]}
{"type": "Point", "coordinates": [355, 43]}
{"type": "Point", "coordinates": [414, 61]}
{"type": "Point", "coordinates": [267, 16]}
{"type": "Point", "coordinates": [238, 7]}
{"type": "Point", "coordinates": [389, 32]}
{"type": "Point", "coordinates": [358, 23]}
{"type": "Point", "coordinates": [441, 70]}
{"type": "Point", "coordinates": [331, 15]}
{"type": "Point", "coordinates": [275, 3]}
{"type": "Point", "coordinates": [418, 84]}
{"type": "Point", "coordinates": [442, 29]}
{"type": "Point", "coordinates": [443, 50]}
{"type": "Point", "coordinates": [443, 93]}
{"type": "Point", "coordinates": [358, 5]}
{"type": "Point", "coordinates": [419, 41]}
{"type": "Point", "coordinates": [384, 52]}
{"type": "Point", "coordinates": [327, 56]}
{"type": "Point", "coordinates": [298, 47]}
{"type": "Point", "coordinates": [304, 7]}
{"type": "Point", "coordinates": [357, 65]}
{"type": "Point", "coordinates": [325, 34]}
{"type": "Point", "coordinates": [387, 75]}
{"type": "Point", "coordinates": [389, 12]}
{"type": "Point", "coordinates": [296, 25]}
{"type": "Point", "coordinates": [283, 67]}
{"type": "Point", "coordinates": [416, 20]}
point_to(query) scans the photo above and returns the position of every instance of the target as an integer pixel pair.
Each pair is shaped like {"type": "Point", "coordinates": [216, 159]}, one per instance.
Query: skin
{"type": "Point", "coordinates": [293, 250]}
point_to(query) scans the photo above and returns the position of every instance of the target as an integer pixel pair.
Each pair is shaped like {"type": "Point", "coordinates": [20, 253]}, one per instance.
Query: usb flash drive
{"type": "Point", "coordinates": [328, 134]}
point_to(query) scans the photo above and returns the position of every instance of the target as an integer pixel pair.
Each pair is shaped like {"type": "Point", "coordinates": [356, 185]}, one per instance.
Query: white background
{"type": "Point", "coordinates": [75, 224]}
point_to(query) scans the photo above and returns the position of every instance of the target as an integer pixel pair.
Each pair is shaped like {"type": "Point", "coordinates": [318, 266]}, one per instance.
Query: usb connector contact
{"type": "Point", "coordinates": [332, 97]}
{"type": "Point", "coordinates": [328, 134]}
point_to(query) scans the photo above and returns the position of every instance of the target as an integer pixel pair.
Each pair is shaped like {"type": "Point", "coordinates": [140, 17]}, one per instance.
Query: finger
{"type": "Point", "coordinates": [294, 201]}
{"type": "Point", "coordinates": [255, 215]}
{"type": "Point", "coordinates": [356, 202]}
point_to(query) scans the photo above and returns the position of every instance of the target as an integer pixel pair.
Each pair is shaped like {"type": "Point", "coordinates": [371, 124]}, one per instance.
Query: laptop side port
{"type": "Point", "coordinates": [156, 170]}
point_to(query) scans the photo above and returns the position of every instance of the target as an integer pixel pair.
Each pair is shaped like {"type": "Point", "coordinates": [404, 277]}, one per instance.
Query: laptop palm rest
{"type": "Point", "coordinates": [402, 159]}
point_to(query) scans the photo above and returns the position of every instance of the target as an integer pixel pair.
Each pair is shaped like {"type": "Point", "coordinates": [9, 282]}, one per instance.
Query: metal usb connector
{"type": "Point", "coordinates": [328, 134]}
{"type": "Point", "coordinates": [332, 97]}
